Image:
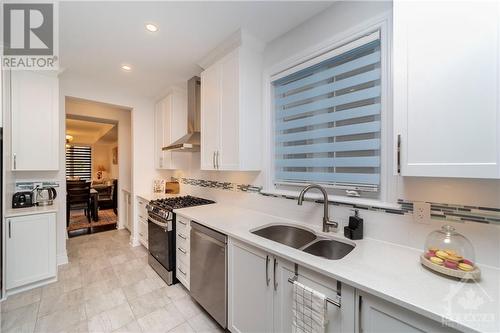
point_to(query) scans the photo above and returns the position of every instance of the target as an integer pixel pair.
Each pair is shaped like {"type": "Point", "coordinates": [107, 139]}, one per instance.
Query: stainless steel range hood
{"type": "Point", "coordinates": [191, 141]}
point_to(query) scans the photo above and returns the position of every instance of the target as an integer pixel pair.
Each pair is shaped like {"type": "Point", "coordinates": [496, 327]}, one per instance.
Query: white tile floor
{"type": "Point", "coordinates": [107, 287]}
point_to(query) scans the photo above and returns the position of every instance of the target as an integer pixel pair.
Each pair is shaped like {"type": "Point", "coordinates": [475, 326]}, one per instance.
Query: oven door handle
{"type": "Point", "coordinates": [167, 225]}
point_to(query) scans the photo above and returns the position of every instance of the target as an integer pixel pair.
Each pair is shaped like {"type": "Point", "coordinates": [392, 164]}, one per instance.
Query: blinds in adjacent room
{"type": "Point", "coordinates": [79, 162]}
{"type": "Point", "coordinates": [327, 120]}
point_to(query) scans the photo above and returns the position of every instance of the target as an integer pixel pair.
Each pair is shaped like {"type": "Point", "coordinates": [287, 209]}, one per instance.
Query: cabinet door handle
{"type": "Point", "coordinates": [15, 161]}
{"type": "Point", "coordinates": [180, 270]}
{"type": "Point", "coordinates": [182, 250]}
{"type": "Point", "coordinates": [267, 271]}
{"type": "Point", "coordinates": [182, 236]}
{"type": "Point", "coordinates": [217, 159]}
{"type": "Point", "coordinates": [399, 153]}
{"type": "Point", "coordinates": [10, 234]}
{"type": "Point", "coordinates": [180, 221]}
{"type": "Point", "coordinates": [274, 274]}
{"type": "Point", "coordinates": [213, 159]}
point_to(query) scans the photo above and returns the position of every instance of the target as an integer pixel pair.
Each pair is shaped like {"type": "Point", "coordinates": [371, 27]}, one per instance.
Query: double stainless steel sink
{"type": "Point", "coordinates": [305, 240]}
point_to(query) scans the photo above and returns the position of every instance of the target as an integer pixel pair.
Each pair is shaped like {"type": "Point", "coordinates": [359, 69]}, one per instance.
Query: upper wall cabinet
{"type": "Point", "coordinates": [170, 125]}
{"type": "Point", "coordinates": [446, 88]}
{"type": "Point", "coordinates": [231, 111]}
{"type": "Point", "coordinates": [35, 121]}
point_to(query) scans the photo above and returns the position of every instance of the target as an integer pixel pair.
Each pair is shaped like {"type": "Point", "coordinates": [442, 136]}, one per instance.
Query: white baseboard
{"type": "Point", "coordinates": [33, 285]}
{"type": "Point", "coordinates": [62, 258]}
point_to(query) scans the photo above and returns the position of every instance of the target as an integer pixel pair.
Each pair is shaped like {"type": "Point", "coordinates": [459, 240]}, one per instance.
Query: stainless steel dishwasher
{"type": "Point", "coordinates": [209, 271]}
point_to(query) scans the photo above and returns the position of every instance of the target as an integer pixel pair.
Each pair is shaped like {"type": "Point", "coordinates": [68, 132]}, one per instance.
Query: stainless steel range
{"type": "Point", "coordinates": [161, 233]}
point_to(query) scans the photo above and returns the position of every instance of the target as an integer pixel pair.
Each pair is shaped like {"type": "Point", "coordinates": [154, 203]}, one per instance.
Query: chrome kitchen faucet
{"type": "Point", "coordinates": [326, 219]}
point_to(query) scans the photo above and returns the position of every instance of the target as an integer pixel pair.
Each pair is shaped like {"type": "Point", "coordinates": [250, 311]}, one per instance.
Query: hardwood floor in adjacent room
{"type": "Point", "coordinates": [79, 224]}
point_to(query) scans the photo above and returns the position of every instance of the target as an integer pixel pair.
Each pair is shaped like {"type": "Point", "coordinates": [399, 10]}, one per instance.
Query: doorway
{"type": "Point", "coordinates": [97, 166]}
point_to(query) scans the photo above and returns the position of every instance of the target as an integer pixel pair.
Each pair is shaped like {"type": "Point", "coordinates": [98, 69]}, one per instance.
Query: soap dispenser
{"type": "Point", "coordinates": [354, 230]}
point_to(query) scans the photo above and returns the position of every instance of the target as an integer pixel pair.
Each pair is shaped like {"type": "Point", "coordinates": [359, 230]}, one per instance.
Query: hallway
{"type": "Point", "coordinates": [107, 287]}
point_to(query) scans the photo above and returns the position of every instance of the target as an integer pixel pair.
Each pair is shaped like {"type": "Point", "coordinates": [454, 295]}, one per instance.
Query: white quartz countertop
{"type": "Point", "coordinates": [386, 270]}
{"type": "Point", "coordinates": [13, 212]}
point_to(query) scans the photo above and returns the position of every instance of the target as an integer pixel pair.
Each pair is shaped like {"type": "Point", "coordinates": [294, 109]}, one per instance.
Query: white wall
{"type": "Point", "coordinates": [101, 156]}
{"type": "Point", "coordinates": [341, 17]}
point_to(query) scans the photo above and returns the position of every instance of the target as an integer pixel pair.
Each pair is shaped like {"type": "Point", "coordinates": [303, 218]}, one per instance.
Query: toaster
{"type": "Point", "coordinates": [22, 199]}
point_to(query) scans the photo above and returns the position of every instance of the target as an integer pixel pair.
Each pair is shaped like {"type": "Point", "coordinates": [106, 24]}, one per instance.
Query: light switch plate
{"type": "Point", "coordinates": [422, 212]}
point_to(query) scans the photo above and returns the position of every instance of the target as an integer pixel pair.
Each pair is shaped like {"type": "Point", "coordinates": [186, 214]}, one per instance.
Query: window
{"type": "Point", "coordinates": [79, 162]}
{"type": "Point", "coordinates": [327, 126]}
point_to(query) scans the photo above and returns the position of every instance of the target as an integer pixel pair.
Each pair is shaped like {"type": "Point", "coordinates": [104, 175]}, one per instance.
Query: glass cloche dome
{"type": "Point", "coordinates": [447, 248]}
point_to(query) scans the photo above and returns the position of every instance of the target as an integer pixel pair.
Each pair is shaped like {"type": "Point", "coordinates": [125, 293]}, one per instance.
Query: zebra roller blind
{"type": "Point", "coordinates": [79, 162]}
{"type": "Point", "coordinates": [327, 121]}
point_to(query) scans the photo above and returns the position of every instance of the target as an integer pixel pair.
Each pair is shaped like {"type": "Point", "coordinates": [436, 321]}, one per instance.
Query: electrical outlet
{"type": "Point", "coordinates": [422, 212]}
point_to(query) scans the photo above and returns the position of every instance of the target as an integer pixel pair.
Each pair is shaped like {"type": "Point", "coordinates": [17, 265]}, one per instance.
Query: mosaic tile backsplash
{"type": "Point", "coordinates": [439, 211]}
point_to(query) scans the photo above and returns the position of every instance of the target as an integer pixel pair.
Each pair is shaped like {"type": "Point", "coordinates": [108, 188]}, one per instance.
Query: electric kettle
{"type": "Point", "coordinates": [45, 195]}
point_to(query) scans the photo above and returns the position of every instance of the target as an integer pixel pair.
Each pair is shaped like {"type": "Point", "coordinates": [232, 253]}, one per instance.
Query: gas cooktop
{"type": "Point", "coordinates": [179, 202]}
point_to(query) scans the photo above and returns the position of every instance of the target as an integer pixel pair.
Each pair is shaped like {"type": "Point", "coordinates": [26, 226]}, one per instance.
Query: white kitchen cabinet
{"type": "Point", "coordinates": [142, 219]}
{"type": "Point", "coordinates": [30, 249]}
{"type": "Point", "coordinates": [231, 112]}
{"type": "Point", "coordinates": [210, 106]}
{"type": "Point", "coordinates": [259, 288]}
{"type": "Point", "coordinates": [183, 250]}
{"type": "Point", "coordinates": [35, 121]}
{"type": "Point", "coordinates": [250, 289]}
{"type": "Point", "coordinates": [379, 316]}
{"type": "Point", "coordinates": [446, 88]}
{"type": "Point", "coordinates": [170, 125]}
{"type": "Point", "coordinates": [339, 319]}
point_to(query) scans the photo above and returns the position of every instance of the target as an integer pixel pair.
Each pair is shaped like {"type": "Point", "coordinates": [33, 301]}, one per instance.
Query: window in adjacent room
{"type": "Point", "coordinates": [79, 162]}
{"type": "Point", "coordinates": [327, 121]}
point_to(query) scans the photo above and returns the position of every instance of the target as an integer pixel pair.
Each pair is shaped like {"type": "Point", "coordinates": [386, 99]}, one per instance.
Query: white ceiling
{"type": "Point", "coordinates": [90, 132]}
{"type": "Point", "coordinates": [97, 37]}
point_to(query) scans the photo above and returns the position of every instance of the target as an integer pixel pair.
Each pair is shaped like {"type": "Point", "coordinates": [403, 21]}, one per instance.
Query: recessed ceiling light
{"type": "Point", "coordinates": [151, 27]}
{"type": "Point", "coordinates": [126, 68]}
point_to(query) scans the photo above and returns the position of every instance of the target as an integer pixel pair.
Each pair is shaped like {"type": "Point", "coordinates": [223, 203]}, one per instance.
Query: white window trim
{"type": "Point", "coordinates": [388, 179]}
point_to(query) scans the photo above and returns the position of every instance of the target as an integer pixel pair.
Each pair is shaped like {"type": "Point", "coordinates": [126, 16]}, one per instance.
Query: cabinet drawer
{"type": "Point", "coordinates": [182, 240]}
{"type": "Point", "coordinates": [182, 273]}
{"type": "Point", "coordinates": [182, 255]}
{"type": "Point", "coordinates": [143, 229]}
{"type": "Point", "coordinates": [182, 225]}
{"type": "Point", "coordinates": [141, 207]}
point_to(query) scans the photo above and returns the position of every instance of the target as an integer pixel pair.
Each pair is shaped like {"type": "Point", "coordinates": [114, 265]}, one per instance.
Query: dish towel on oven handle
{"type": "Point", "coordinates": [309, 310]}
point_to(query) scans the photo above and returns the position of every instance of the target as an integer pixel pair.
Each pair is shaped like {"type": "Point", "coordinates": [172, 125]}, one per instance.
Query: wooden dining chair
{"type": "Point", "coordinates": [78, 197]}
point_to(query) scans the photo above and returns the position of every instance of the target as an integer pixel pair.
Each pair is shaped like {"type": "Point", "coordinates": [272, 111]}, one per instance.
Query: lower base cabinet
{"type": "Point", "coordinates": [142, 219]}
{"type": "Point", "coordinates": [250, 290]}
{"type": "Point", "coordinates": [30, 249]}
{"type": "Point", "coordinates": [183, 251]}
{"type": "Point", "coordinates": [339, 319]}
{"type": "Point", "coordinates": [261, 298]}
{"type": "Point", "coordinates": [379, 316]}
